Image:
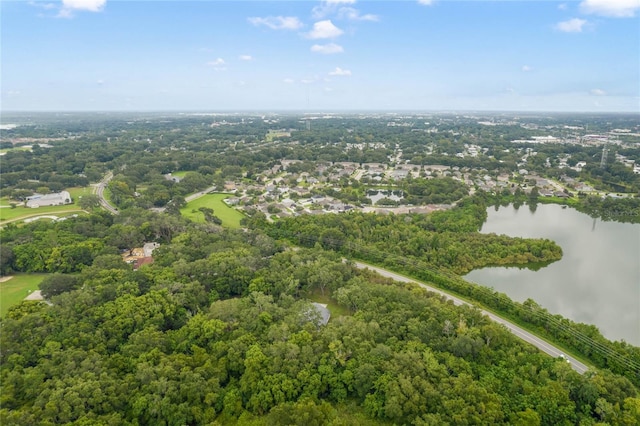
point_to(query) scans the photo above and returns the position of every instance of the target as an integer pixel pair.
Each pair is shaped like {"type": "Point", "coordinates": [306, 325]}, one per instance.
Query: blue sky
{"type": "Point", "coordinates": [326, 55]}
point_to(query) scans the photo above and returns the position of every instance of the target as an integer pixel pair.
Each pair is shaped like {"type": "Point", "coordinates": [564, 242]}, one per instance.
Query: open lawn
{"type": "Point", "coordinates": [16, 289]}
{"type": "Point", "coordinates": [230, 217]}
{"type": "Point", "coordinates": [17, 148]}
{"type": "Point", "coordinates": [180, 174]}
{"type": "Point", "coordinates": [21, 212]}
{"type": "Point", "coordinates": [335, 309]}
{"type": "Point", "coordinates": [79, 192]}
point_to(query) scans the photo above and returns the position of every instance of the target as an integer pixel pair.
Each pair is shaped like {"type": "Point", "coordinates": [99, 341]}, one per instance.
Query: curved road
{"type": "Point", "coordinates": [100, 187]}
{"type": "Point", "coordinates": [99, 190]}
{"type": "Point", "coordinates": [523, 334]}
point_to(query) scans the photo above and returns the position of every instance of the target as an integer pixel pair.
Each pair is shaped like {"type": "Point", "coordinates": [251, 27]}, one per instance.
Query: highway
{"type": "Point", "coordinates": [523, 334]}
{"type": "Point", "coordinates": [99, 190]}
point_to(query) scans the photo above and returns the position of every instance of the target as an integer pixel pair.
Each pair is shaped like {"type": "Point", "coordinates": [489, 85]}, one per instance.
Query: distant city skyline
{"type": "Point", "coordinates": [335, 55]}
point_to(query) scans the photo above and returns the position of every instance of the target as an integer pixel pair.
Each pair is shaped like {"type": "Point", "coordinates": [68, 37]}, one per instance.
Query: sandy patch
{"type": "Point", "coordinates": [34, 295]}
{"type": "Point", "coordinates": [5, 279]}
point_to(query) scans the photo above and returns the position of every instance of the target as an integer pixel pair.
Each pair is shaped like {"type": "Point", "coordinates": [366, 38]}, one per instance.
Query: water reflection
{"type": "Point", "coordinates": [596, 282]}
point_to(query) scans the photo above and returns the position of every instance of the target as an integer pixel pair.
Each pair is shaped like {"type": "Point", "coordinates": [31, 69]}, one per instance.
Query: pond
{"type": "Point", "coordinates": [597, 281]}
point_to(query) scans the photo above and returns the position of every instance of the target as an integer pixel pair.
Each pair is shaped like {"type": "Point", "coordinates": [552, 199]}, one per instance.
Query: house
{"type": "Point", "coordinates": [318, 199]}
{"type": "Point", "coordinates": [137, 263]}
{"type": "Point", "coordinates": [288, 203]}
{"type": "Point", "coordinates": [399, 174]}
{"type": "Point", "coordinates": [579, 166]}
{"type": "Point", "coordinates": [148, 248]}
{"type": "Point", "coordinates": [232, 201]}
{"type": "Point", "coordinates": [318, 313]}
{"type": "Point", "coordinates": [55, 199]}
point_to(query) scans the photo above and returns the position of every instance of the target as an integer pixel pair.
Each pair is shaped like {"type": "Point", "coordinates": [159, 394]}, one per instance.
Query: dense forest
{"type": "Point", "coordinates": [447, 241]}
{"type": "Point", "coordinates": [441, 246]}
{"type": "Point", "coordinates": [219, 330]}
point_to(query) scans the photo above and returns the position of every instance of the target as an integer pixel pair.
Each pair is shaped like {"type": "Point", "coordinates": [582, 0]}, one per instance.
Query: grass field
{"type": "Point", "coordinates": [180, 174]}
{"type": "Point", "coordinates": [230, 217]}
{"type": "Point", "coordinates": [17, 148]}
{"type": "Point", "coordinates": [21, 212]}
{"type": "Point", "coordinates": [79, 192]}
{"type": "Point", "coordinates": [335, 309]}
{"type": "Point", "coordinates": [16, 289]}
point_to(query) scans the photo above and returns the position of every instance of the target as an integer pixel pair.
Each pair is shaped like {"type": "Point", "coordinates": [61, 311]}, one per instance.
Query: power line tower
{"type": "Point", "coordinates": [603, 159]}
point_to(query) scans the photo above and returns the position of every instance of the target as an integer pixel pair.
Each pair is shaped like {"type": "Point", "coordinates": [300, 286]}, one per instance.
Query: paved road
{"type": "Point", "coordinates": [544, 346]}
{"type": "Point", "coordinates": [99, 190]}
{"type": "Point", "coordinates": [199, 194]}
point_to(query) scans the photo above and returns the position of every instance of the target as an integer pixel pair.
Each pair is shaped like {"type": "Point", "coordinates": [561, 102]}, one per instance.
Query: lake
{"type": "Point", "coordinates": [597, 281]}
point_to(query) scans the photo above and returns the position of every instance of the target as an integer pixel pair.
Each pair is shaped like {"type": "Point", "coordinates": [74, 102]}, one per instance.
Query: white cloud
{"type": "Point", "coordinates": [100, 82]}
{"type": "Point", "coordinates": [340, 71]}
{"type": "Point", "coordinates": [245, 57]}
{"type": "Point", "coordinates": [573, 25]}
{"type": "Point", "coordinates": [90, 5]}
{"type": "Point", "coordinates": [328, 89]}
{"type": "Point", "coordinates": [563, 6]}
{"type": "Point", "coordinates": [598, 92]}
{"type": "Point", "coordinates": [611, 8]}
{"type": "Point", "coordinates": [328, 7]}
{"type": "Point", "coordinates": [277, 22]}
{"type": "Point", "coordinates": [526, 68]}
{"type": "Point", "coordinates": [327, 49]}
{"type": "Point", "coordinates": [218, 64]}
{"type": "Point", "coordinates": [45, 6]}
{"type": "Point", "coordinates": [308, 80]}
{"type": "Point", "coordinates": [426, 2]}
{"type": "Point", "coordinates": [354, 15]}
{"type": "Point", "coordinates": [288, 80]}
{"type": "Point", "coordinates": [324, 29]}
{"type": "Point", "coordinates": [70, 6]}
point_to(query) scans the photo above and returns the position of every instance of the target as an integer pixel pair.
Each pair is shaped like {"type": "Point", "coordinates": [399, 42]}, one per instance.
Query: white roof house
{"type": "Point", "coordinates": [319, 313]}
{"type": "Point", "coordinates": [148, 248]}
{"type": "Point", "coordinates": [55, 199]}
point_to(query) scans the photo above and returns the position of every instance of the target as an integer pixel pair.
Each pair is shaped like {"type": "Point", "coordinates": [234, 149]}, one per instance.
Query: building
{"type": "Point", "coordinates": [318, 313]}
{"type": "Point", "coordinates": [148, 248]}
{"type": "Point", "coordinates": [55, 199]}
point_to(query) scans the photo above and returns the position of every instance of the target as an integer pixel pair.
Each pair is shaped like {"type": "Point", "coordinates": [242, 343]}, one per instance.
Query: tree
{"type": "Point", "coordinates": [89, 201]}
{"type": "Point", "coordinates": [6, 259]}
{"type": "Point", "coordinates": [174, 206]}
{"type": "Point", "coordinates": [125, 236]}
{"type": "Point", "coordinates": [209, 216]}
{"type": "Point", "coordinates": [56, 284]}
